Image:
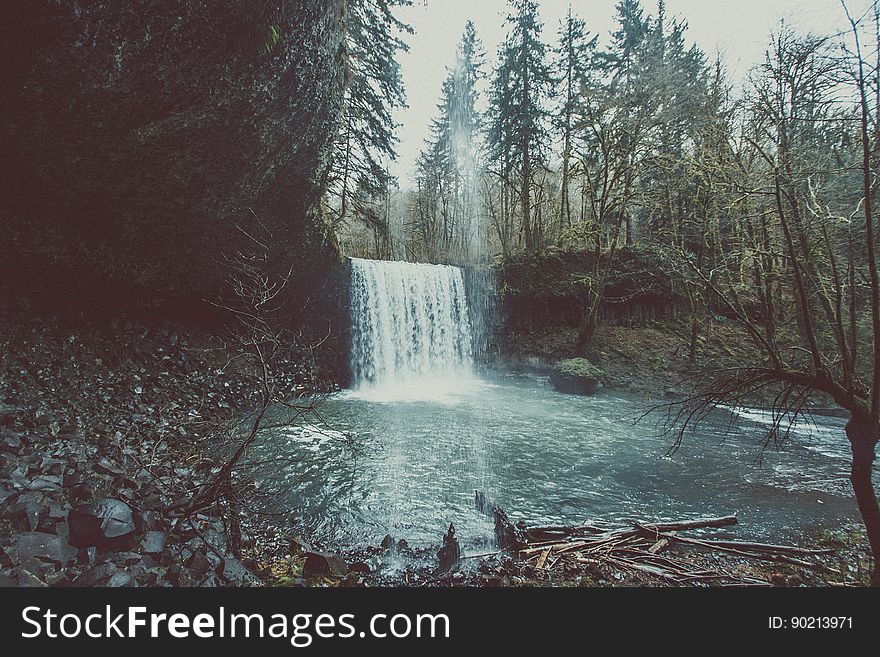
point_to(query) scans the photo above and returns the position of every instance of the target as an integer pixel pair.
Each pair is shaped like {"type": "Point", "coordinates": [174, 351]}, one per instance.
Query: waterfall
{"type": "Point", "coordinates": [411, 329]}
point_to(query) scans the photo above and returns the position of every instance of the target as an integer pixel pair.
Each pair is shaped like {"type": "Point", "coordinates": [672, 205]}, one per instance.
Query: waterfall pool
{"type": "Point", "coordinates": [546, 458]}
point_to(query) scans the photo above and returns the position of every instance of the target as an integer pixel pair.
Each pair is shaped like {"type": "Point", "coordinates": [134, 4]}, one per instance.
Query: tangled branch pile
{"type": "Point", "coordinates": [643, 550]}
{"type": "Point", "coordinates": [638, 550]}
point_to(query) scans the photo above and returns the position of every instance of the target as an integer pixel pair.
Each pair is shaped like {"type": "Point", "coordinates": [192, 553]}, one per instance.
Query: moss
{"type": "Point", "coordinates": [576, 376]}
{"type": "Point", "coordinates": [579, 367]}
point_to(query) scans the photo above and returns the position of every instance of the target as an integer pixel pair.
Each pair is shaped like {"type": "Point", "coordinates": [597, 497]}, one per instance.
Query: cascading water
{"type": "Point", "coordinates": [411, 329]}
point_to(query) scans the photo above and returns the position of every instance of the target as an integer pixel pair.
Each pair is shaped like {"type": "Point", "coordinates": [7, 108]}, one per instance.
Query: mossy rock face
{"type": "Point", "coordinates": [576, 376]}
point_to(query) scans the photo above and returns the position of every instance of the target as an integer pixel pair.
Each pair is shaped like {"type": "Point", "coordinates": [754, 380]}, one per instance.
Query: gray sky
{"type": "Point", "coordinates": [739, 29]}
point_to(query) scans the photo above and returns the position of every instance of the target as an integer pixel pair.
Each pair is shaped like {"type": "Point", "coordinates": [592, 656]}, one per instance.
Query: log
{"type": "Point", "coordinates": [507, 534]}
{"type": "Point", "coordinates": [699, 523]}
{"type": "Point", "coordinates": [777, 558]}
{"type": "Point", "coordinates": [765, 547]}
{"type": "Point", "coordinates": [542, 559]}
{"type": "Point", "coordinates": [450, 554]}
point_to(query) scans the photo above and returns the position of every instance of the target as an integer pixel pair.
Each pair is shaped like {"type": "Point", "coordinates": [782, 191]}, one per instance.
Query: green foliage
{"type": "Point", "coordinates": [272, 38]}
{"type": "Point", "coordinates": [367, 138]}
{"type": "Point", "coordinates": [580, 368]}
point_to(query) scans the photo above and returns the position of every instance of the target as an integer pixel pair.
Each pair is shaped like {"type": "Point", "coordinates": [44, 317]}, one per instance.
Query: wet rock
{"type": "Point", "coordinates": [576, 376]}
{"type": "Point", "coordinates": [9, 440]}
{"type": "Point", "coordinates": [107, 468]}
{"type": "Point", "coordinates": [235, 572]}
{"type": "Point", "coordinates": [80, 492]}
{"type": "Point", "coordinates": [360, 568]}
{"type": "Point", "coordinates": [48, 483]}
{"type": "Point", "coordinates": [199, 564]}
{"type": "Point", "coordinates": [27, 579]}
{"type": "Point", "coordinates": [44, 417]}
{"type": "Point", "coordinates": [35, 548]}
{"type": "Point", "coordinates": [154, 542]}
{"type": "Point", "coordinates": [5, 560]}
{"type": "Point", "coordinates": [101, 575]}
{"type": "Point", "coordinates": [298, 545]}
{"type": "Point", "coordinates": [120, 579]}
{"type": "Point", "coordinates": [387, 542]}
{"type": "Point", "coordinates": [104, 523]}
{"type": "Point", "coordinates": [58, 511]}
{"type": "Point", "coordinates": [8, 412]}
{"type": "Point", "coordinates": [322, 564]}
{"type": "Point", "coordinates": [52, 466]}
{"type": "Point", "coordinates": [211, 582]}
{"type": "Point", "coordinates": [6, 580]}
{"type": "Point", "coordinates": [25, 512]}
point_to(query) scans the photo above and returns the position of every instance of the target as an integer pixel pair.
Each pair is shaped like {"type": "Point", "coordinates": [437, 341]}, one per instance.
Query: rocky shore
{"type": "Point", "coordinates": [102, 433]}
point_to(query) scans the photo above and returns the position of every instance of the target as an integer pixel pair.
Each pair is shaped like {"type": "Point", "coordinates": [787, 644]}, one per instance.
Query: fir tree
{"type": "Point", "coordinates": [518, 132]}
{"type": "Point", "coordinates": [574, 62]}
{"type": "Point", "coordinates": [449, 165]}
{"type": "Point", "coordinates": [374, 89]}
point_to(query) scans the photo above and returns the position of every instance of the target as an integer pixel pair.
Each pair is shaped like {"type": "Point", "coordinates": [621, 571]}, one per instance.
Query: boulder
{"type": "Point", "coordinates": [154, 542]}
{"type": "Point", "coordinates": [26, 510]}
{"type": "Point", "coordinates": [9, 440]}
{"type": "Point", "coordinates": [105, 523]}
{"type": "Point", "coordinates": [37, 548]}
{"type": "Point", "coordinates": [105, 574]}
{"type": "Point", "coordinates": [323, 564]}
{"type": "Point", "coordinates": [576, 376]}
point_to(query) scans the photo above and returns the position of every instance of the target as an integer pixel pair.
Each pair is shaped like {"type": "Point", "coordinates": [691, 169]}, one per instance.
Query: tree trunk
{"type": "Point", "coordinates": [588, 328]}
{"type": "Point", "coordinates": [863, 441]}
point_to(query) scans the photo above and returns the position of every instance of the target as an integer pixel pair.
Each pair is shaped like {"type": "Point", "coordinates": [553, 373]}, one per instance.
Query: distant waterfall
{"type": "Point", "coordinates": [410, 322]}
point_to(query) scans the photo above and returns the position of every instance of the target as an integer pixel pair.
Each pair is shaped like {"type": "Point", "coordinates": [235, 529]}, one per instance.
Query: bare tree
{"type": "Point", "coordinates": [265, 351]}
{"type": "Point", "coordinates": [800, 124]}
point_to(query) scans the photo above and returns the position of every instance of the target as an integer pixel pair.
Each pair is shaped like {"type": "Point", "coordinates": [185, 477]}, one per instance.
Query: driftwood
{"type": "Point", "coordinates": [642, 549]}
{"type": "Point", "coordinates": [637, 549]}
{"type": "Point", "coordinates": [507, 535]}
{"type": "Point", "coordinates": [450, 554]}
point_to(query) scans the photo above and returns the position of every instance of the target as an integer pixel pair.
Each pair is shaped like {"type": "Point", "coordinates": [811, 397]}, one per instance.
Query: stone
{"type": "Point", "coordinates": [235, 572]}
{"type": "Point", "coordinates": [323, 564]}
{"type": "Point", "coordinates": [154, 542]}
{"type": "Point", "coordinates": [26, 579]}
{"type": "Point", "coordinates": [9, 440]}
{"type": "Point", "coordinates": [104, 523]}
{"type": "Point", "coordinates": [106, 467]}
{"type": "Point", "coordinates": [199, 564]}
{"type": "Point", "coordinates": [120, 579]}
{"type": "Point", "coordinates": [25, 512]}
{"type": "Point", "coordinates": [97, 576]}
{"type": "Point", "coordinates": [46, 483]}
{"type": "Point", "coordinates": [34, 548]}
{"type": "Point", "coordinates": [360, 568]}
{"type": "Point", "coordinates": [576, 376]}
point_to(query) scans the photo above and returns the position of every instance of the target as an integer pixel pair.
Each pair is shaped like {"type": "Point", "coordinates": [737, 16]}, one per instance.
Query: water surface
{"type": "Point", "coordinates": [546, 458]}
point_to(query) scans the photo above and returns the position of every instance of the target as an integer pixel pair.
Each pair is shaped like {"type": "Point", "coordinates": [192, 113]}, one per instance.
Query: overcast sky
{"type": "Point", "coordinates": [738, 29]}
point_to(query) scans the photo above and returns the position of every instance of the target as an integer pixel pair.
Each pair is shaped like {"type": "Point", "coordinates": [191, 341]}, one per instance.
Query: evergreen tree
{"type": "Point", "coordinates": [574, 62]}
{"type": "Point", "coordinates": [518, 132]}
{"type": "Point", "coordinates": [374, 89]}
{"type": "Point", "coordinates": [449, 167]}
